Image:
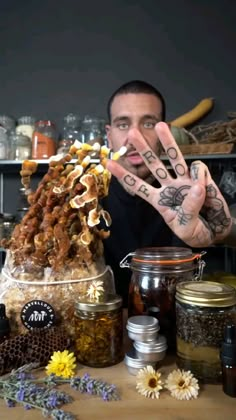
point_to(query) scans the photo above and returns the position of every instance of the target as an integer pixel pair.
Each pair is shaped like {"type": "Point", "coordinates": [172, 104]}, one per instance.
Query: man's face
{"type": "Point", "coordinates": [134, 110]}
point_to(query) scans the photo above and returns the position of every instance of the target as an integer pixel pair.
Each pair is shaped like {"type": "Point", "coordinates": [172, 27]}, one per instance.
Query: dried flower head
{"type": "Point", "coordinates": [62, 364]}
{"type": "Point", "coordinates": [182, 385]}
{"type": "Point", "coordinates": [95, 290]}
{"type": "Point", "coordinates": [148, 382]}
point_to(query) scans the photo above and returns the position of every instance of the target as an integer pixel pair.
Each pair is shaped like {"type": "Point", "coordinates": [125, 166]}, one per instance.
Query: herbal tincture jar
{"type": "Point", "coordinates": [155, 273]}
{"type": "Point", "coordinates": [203, 309]}
{"type": "Point", "coordinates": [142, 328]}
{"type": "Point", "coordinates": [99, 331]}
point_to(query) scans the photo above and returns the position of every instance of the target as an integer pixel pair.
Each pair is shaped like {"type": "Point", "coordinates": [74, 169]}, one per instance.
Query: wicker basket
{"type": "Point", "coordinates": [206, 149]}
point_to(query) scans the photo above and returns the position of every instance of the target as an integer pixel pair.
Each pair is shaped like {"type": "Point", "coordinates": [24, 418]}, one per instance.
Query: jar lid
{"type": "Point", "coordinates": [206, 293]}
{"type": "Point", "coordinates": [154, 346]}
{"type": "Point", "coordinates": [142, 323]}
{"type": "Point", "coordinates": [164, 255]}
{"type": "Point", "coordinates": [132, 360]}
{"type": "Point", "coordinates": [109, 303]}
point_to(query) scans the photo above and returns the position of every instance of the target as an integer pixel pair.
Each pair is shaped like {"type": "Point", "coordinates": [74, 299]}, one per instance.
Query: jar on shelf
{"type": "Point", "coordinates": [99, 331]}
{"type": "Point", "coordinates": [7, 224]}
{"type": "Point", "coordinates": [7, 122]}
{"type": "Point", "coordinates": [203, 309]}
{"type": "Point", "coordinates": [71, 132]}
{"type": "Point", "coordinates": [44, 140]}
{"type": "Point", "coordinates": [25, 126]}
{"type": "Point", "coordinates": [155, 273]}
{"type": "Point", "coordinates": [20, 147]}
{"type": "Point", "coordinates": [23, 205]}
{"type": "Point", "coordinates": [93, 130]}
{"type": "Point", "coordinates": [3, 144]}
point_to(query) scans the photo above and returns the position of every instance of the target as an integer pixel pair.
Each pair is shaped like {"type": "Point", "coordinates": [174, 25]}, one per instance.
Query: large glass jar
{"type": "Point", "coordinates": [203, 309]}
{"type": "Point", "coordinates": [155, 273]}
{"type": "Point", "coordinates": [44, 140]}
{"type": "Point", "coordinates": [71, 132]}
{"type": "Point", "coordinates": [3, 144]}
{"type": "Point", "coordinates": [92, 130]}
{"type": "Point", "coordinates": [99, 331]}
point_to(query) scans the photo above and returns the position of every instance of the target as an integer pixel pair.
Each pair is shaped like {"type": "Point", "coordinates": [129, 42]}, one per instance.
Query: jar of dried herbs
{"type": "Point", "coordinates": [155, 273]}
{"type": "Point", "coordinates": [203, 309]}
{"type": "Point", "coordinates": [99, 331]}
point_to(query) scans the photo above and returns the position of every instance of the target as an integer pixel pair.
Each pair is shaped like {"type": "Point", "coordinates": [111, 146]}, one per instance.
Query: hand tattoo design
{"type": "Point", "coordinates": [173, 197]}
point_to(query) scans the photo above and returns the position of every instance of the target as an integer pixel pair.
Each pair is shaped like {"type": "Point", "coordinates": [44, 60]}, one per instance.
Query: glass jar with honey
{"type": "Point", "coordinates": [99, 331]}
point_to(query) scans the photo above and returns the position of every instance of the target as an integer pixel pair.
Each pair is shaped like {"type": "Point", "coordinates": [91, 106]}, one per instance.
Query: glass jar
{"type": "Point", "coordinates": [25, 126]}
{"type": "Point", "coordinates": [92, 130]}
{"type": "Point", "coordinates": [99, 331]}
{"type": "Point", "coordinates": [7, 224]}
{"type": "Point", "coordinates": [71, 132]}
{"type": "Point", "coordinates": [155, 273]}
{"type": "Point", "coordinates": [3, 144]}
{"type": "Point", "coordinates": [23, 205]}
{"type": "Point", "coordinates": [44, 140]}
{"type": "Point", "coordinates": [20, 147]}
{"type": "Point", "coordinates": [7, 122]}
{"type": "Point", "coordinates": [203, 309]}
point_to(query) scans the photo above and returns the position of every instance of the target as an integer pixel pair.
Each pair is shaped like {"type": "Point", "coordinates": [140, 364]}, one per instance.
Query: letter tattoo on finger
{"type": "Point", "coordinates": [143, 189]}
{"type": "Point", "coordinates": [129, 180]}
{"type": "Point", "coordinates": [149, 156]}
{"type": "Point", "coordinates": [179, 169]}
{"type": "Point", "coordinates": [172, 153]}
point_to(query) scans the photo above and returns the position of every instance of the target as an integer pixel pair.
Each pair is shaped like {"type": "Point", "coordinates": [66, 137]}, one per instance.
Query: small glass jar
{"type": "Point", "coordinates": [203, 309]}
{"type": "Point", "coordinates": [92, 130]}
{"type": "Point", "coordinates": [71, 133]}
{"type": "Point", "coordinates": [142, 328]}
{"type": "Point", "coordinates": [44, 140]}
{"type": "Point", "coordinates": [3, 144]}
{"type": "Point", "coordinates": [155, 273]}
{"type": "Point", "coordinates": [99, 331]}
{"type": "Point", "coordinates": [25, 126]}
{"type": "Point", "coordinates": [7, 122]}
{"type": "Point", "coordinates": [20, 147]}
{"type": "Point", "coordinates": [7, 224]}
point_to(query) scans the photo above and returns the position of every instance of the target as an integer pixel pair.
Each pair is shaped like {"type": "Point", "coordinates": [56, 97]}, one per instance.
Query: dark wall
{"type": "Point", "coordinates": [60, 56]}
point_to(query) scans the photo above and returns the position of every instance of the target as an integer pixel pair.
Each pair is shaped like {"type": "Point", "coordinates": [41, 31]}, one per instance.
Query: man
{"type": "Point", "coordinates": [148, 205]}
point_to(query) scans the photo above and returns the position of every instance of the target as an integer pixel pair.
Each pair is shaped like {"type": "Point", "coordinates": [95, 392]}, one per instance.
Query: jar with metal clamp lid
{"type": "Point", "coordinates": [155, 273]}
{"type": "Point", "coordinates": [99, 331]}
{"type": "Point", "coordinates": [203, 309]}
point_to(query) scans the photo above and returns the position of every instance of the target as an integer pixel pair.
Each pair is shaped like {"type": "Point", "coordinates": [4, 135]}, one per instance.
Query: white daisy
{"type": "Point", "coordinates": [95, 290]}
{"type": "Point", "coordinates": [182, 385]}
{"type": "Point", "coordinates": [148, 382]}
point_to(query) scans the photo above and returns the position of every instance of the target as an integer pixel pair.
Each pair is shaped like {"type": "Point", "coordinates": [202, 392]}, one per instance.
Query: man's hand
{"type": "Point", "coordinates": [190, 203]}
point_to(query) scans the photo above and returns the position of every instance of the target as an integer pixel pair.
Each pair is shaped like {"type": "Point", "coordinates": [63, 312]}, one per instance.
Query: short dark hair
{"type": "Point", "coordinates": [137, 86]}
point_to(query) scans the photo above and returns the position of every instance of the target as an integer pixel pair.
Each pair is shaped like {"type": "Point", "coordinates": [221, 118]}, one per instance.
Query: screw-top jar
{"type": "Point", "coordinates": [202, 310]}
{"type": "Point", "coordinates": [25, 126]}
{"type": "Point", "coordinates": [44, 140]}
{"type": "Point", "coordinates": [20, 147]}
{"type": "Point", "coordinates": [155, 273]}
{"type": "Point", "coordinates": [99, 331]}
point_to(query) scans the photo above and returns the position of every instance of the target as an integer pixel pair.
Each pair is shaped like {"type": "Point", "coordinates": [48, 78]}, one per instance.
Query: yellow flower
{"type": "Point", "coordinates": [182, 385]}
{"type": "Point", "coordinates": [62, 363]}
{"type": "Point", "coordinates": [148, 382]}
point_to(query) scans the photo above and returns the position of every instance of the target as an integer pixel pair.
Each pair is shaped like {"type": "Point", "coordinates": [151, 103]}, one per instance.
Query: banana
{"type": "Point", "coordinates": [190, 117]}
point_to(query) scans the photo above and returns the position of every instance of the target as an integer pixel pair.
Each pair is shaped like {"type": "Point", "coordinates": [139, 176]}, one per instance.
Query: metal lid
{"type": "Point", "coordinates": [206, 293]}
{"type": "Point", "coordinates": [109, 303]}
{"type": "Point", "coordinates": [155, 346]}
{"type": "Point", "coordinates": [132, 360]}
{"type": "Point", "coordinates": [142, 323]}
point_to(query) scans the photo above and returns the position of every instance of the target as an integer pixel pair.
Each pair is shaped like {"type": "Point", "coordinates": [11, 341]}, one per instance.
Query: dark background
{"type": "Point", "coordinates": [61, 56]}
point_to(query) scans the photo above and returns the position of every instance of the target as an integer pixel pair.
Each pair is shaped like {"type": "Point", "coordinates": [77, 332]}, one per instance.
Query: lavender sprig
{"type": "Point", "coordinates": [20, 386]}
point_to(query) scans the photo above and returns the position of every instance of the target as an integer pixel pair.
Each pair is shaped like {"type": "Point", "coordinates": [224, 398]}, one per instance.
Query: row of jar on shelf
{"type": "Point", "coordinates": [39, 139]}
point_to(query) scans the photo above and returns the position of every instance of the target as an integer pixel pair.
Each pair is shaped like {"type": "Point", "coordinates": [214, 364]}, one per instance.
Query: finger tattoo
{"type": "Point", "coordinates": [149, 156]}
{"type": "Point", "coordinates": [180, 169]}
{"type": "Point", "coordinates": [173, 197]}
{"type": "Point", "coordinates": [172, 153]}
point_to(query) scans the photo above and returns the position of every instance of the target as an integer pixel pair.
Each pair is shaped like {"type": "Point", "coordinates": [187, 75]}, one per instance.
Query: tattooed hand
{"type": "Point", "coordinates": [190, 203]}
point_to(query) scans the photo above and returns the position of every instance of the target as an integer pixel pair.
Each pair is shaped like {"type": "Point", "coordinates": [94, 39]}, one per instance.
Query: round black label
{"type": "Point", "coordinates": [37, 314]}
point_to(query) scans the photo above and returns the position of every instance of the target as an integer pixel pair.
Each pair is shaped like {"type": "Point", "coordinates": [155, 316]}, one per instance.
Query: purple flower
{"type": "Point", "coordinates": [20, 394]}
{"type": "Point", "coordinates": [10, 403]}
{"type": "Point", "coordinates": [27, 406]}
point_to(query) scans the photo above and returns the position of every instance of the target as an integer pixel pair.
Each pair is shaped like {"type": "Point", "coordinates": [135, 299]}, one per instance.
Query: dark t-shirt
{"type": "Point", "coordinates": [135, 224]}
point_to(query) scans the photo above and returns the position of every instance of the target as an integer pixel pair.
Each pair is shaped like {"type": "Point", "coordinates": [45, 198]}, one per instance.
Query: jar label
{"type": "Point", "coordinates": [37, 314]}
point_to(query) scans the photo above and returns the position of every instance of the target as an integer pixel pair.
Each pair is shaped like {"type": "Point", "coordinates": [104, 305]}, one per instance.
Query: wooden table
{"type": "Point", "coordinates": [211, 404]}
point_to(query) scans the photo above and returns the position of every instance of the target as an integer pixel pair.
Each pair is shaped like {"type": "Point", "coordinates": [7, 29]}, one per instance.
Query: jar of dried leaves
{"type": "Point", "coordinates": [202, 310]}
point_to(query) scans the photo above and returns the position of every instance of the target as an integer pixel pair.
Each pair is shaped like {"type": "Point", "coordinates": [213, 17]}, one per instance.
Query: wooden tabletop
{"type": "Point", "coordinates": [211, 404]}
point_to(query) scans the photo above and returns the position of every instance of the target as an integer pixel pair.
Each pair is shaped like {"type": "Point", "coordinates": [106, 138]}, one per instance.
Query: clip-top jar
{"type": "Point", "coordinates": [99, 331]}
{"type": "Point", "coordinates": [203, 309]}
{"type": "Point", "coordinates": [155, 273]}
